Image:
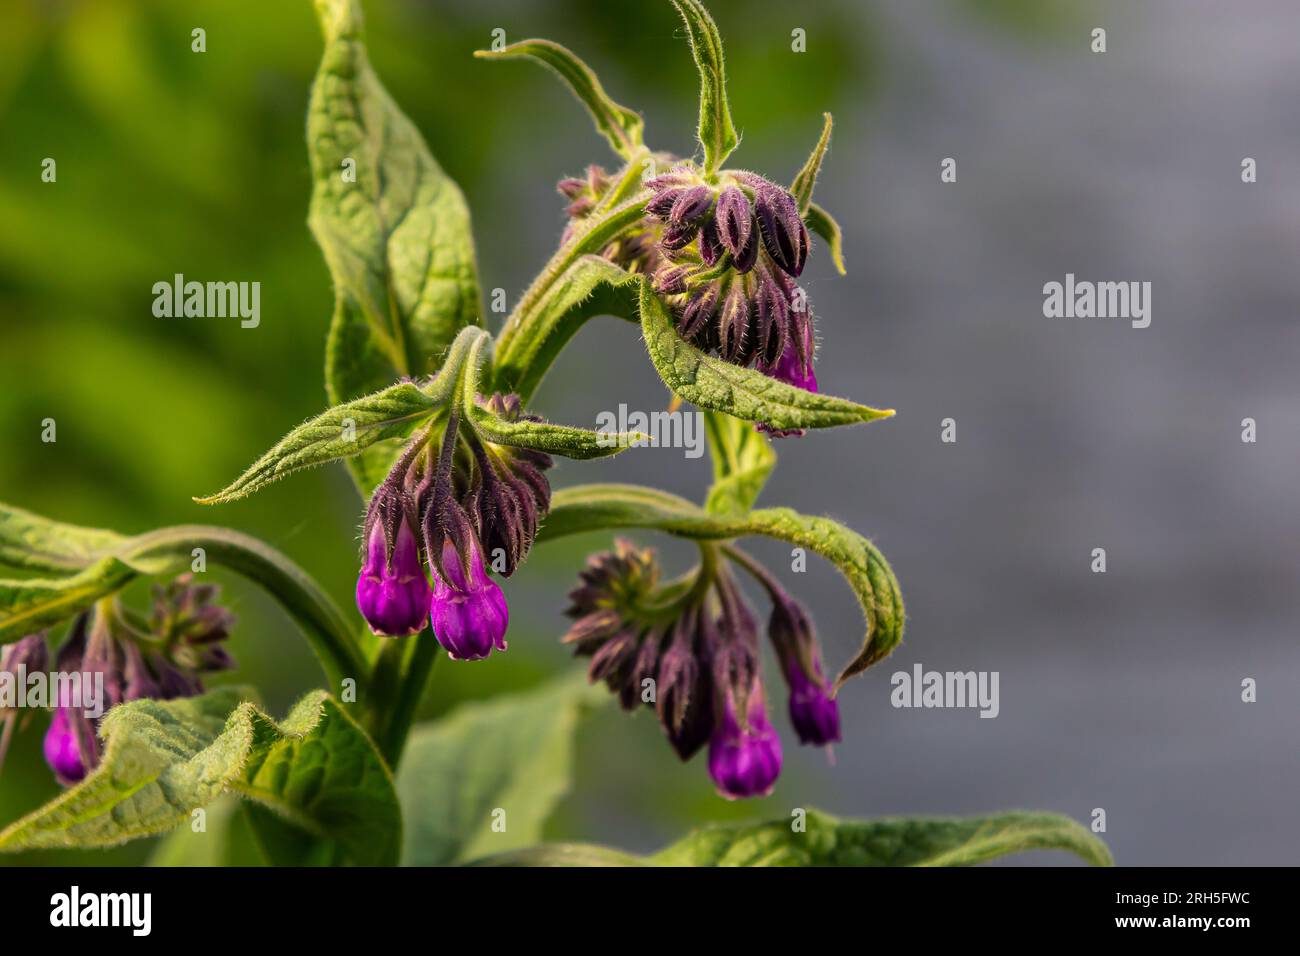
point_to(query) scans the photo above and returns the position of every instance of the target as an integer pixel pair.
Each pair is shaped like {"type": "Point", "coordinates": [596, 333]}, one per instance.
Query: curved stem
{"type": "Point", "coordinates": [323, 624]}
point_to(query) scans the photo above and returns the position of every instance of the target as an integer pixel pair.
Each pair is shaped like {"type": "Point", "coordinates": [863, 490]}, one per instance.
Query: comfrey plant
{"type": "Point", "coordinates": [432, 414]}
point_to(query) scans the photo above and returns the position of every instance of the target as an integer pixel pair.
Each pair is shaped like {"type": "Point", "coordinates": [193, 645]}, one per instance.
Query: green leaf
{"type": "Point", "coordinates": [802, 187]}
{"type": "Point", "coordinates": [31, 604]}
{"type": "Point", "coordinates": [822, 223]}
{"type": "Point", "coordinates": [742, 461]}
{"type": "Point", "coordinates": [921, 841]}
{"type": "Point", "coordinates": [29, 541]}
{"type": "Point", "coordinates": [582, 508]}
{"type": "Point", "coordinates": [226, 839]}
{"type": "Point", "coordinates": [618, 124]}
{"type": "Point", "coordinates": [745, 393]}
{"type": "Point", "coordinates": [397, 240]}
{"type": "Point", "coordinates": [562, 854]}
{"type": "Point", "coordinates": [163, 759]}
{"type": "Point", "coordinates": [716, 133]}
{"type": "Point", "coordinates": [512, 753]}
{"type": "Point", "coordinates": [591, 286]}
{"type": "Point", "coordinates": [339, 432]}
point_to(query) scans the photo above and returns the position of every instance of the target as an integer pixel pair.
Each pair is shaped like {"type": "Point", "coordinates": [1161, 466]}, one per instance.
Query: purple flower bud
{"type": "Point", "coordinates": [698, 313]}
{"type": "Point", "coordinates": [613, 663]}
{"type": "Point", "coordinates": [814, 713]}
{"type": "Point", "coordinates": [661, 206]}
{"type": "Point", "coordinates": [468, 612]}
{"type": "Point", "coordinates": [392, 591]}
{"type": "Point", "coordinates": [571, 188]}
{"type": "Point", "coordinates": [771, 319]}
{"type": "Point", "coordinates": [62, 751]}
{"type": "Point", "coordinates": [784, 234]}
{"type": "Point", "coordinates": [710, 246]}
{"type": "Point", "coordinates": [691, 205]}
{"type": "Point", "coordinates": [795, 364]}
{"type": "Point", "coordinates": [734, 339]}
{"type": "Point", "coordinates": [735, 219]}
{"type": "Point", "coordinates": [29, 654]}
{"type": "Point", "coordinates": [672, 280]}
{"type": "Point", "coordinates": [684, 697]}
{"type": "Point", "coordinates": [744, 757]}
{"type": "Point", "coordinates": [678, 236]}
{"type": "Point", "coordinates": [675, 178]}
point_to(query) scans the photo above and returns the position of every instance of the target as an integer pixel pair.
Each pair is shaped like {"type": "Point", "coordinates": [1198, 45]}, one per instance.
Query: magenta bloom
{"type": "Point", "coordinates": [469, 616]}
{"type": "Point", "coordinates": [61, 750]}
{"type": "Point", "coordinates": [392, 592]}
{"type": "Point", "coordinates": [745, 761]}
{"type": "Point", "coordinates": [815, 715]}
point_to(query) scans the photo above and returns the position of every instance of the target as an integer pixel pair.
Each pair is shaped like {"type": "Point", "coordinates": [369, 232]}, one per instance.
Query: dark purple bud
{"type": "Point", "coordinates": [62, 750]}
{"type": "Point", "coordinates": [710, 247]}
{"type": "Point", "coordinates": [643, 672]}
{"type": "Point", "coordinates": [468, 612]}
{"type": "Point", "coordinates": [795, 364]}
{"type": "Point", "coordinates": [571, 188]}
{"type": "Point", "coordinates": [691, 205]}
{"type": "Point", "coordinates": [772, 319]}
{"type": "Point", "coordinates": [784, 234]}
{"type": "Point", "coordinates": [28, 654]}
{"type": "Point", "coordinates": [735, 219]}
{"type": "Point", "coordinates": [140, 682]}
{"type": "Point", "coordinates": [671, 280]}
{"type": "Point", "coordinates": [813, 712]}
{"type": "Point", "coordinates": [675, 178]}
{"type": "Point", "coordinates": [678, 236]}
{"type": "Point", "coordinates": [661, 206]}
{"type": "Point", "coordinates": [613, 663]}
{"type": "Point", "coordinates": [684, 692]}
{"type": "Point", "coordinates": [733, 325]}
{"type": "Point", "coordinates": [392, 591]}
{"type": "Point", "coordinates": [744, 750]}
{"type": "Point", "coordinates": [744, 260]}
{"type": "Point", "coordinates": [698, 312]}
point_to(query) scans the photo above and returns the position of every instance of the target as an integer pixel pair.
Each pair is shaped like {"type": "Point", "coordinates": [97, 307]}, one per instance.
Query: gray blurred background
{"type": "Point", "coordinates": [1119, 691]}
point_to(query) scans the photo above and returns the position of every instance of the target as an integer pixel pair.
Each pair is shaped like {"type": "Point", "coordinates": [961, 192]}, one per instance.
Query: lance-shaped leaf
{"type": "Point", "coordinates": [394, 228]}
{"type": "Point", "coordinates": [565, 440]}
{"type": "Point", "coordinates": [595, 507]}
{"type": "Point", "coordinates": [822, 223]}
{"type": "Point", "coordinates": [511, 754]}
{"type": "Point", "coordinates": [591, 286]}
{"type": "Point", "coordinates": [716, 133]}
{"type": "Point", "coordinates": [29, 541]}
{"type": "Point", "coordinates": [340, 432]}
{"type": "Point", "coordinates": [30, 604]}
{"type": "Point", "coordinates": [742, 461]}
{"type": "Point", "coordinates": [618, 124]}
{"type": "Point", "coordinates": [745, 393]}
{"type": "Point", "coordinates": [921, 841]}
{"type": "Point", "coordinates": [802, 187]}
{"type": "Point", "coordinates": [163, 759]}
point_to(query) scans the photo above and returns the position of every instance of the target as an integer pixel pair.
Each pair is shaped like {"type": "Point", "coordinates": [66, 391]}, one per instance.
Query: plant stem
{"type": "Point", "coordinates": [409, 692]}
{"type": "Point", "coordinates": [326, 628]}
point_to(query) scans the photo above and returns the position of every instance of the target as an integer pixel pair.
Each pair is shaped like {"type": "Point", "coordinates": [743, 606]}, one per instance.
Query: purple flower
{"type": "Point", "coordinates": [784, 234]}
{"type": "Point", "coordinates": [735, 219]}
{"type": "Point", "coordinates": [468, 612]}
{"type": "Point", "coordinates": [62, 751]}
{"type": "Point", "coordinates": [392, 592]}
{"type": "Point", "coordinates": [744, 758]}
{"type": "Point", "coordinates": [814, 714]}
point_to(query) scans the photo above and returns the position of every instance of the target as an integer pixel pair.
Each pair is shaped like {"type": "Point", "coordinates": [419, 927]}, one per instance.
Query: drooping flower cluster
{"type": "Point", "coordinates": [449, 511]}
{"type": "Point", "coordinates": [731, 252]}
{"type": "Point", "coordinates": [690, 649]}
{"type": "Point", "coordinates": [164, 656]}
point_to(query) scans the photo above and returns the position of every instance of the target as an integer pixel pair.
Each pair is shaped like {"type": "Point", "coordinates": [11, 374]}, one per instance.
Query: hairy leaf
{"type": "Point", "coordinates": [595, 507]}
{"type": "Point", "coordinates": [339, 432]}
{"type": "Point", "coordinates": [920, 841]}
{"type": "Point", "coordinates": [822, 223]}
{"type": "Point", "coordinates": [394, 228]}
{"type": "Point", "coordinates": [745, 393]}
{"type": "Point", "coordinates": [591, 286]}
{"type": "Point", "coordinates": [716, 133]}
{"type": "Point", "coordinates": [618, 124]}
{"type": "Point", "coordinates": [512, 754]}
{"type": "Point", "coordinates": [163, 759]}
{"type": "Point", "coordinates": [802, 187]}
{"type": "Point", "coordinates": [29, 541]}
{"type": "Point", "coordinates": [34, 603]}
{"type": "Point", "coordinates": [742, 461]}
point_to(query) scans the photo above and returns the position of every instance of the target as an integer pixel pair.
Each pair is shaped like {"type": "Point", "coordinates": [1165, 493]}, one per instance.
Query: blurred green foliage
{"type": "Point", "coordinates": [173, 161]}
